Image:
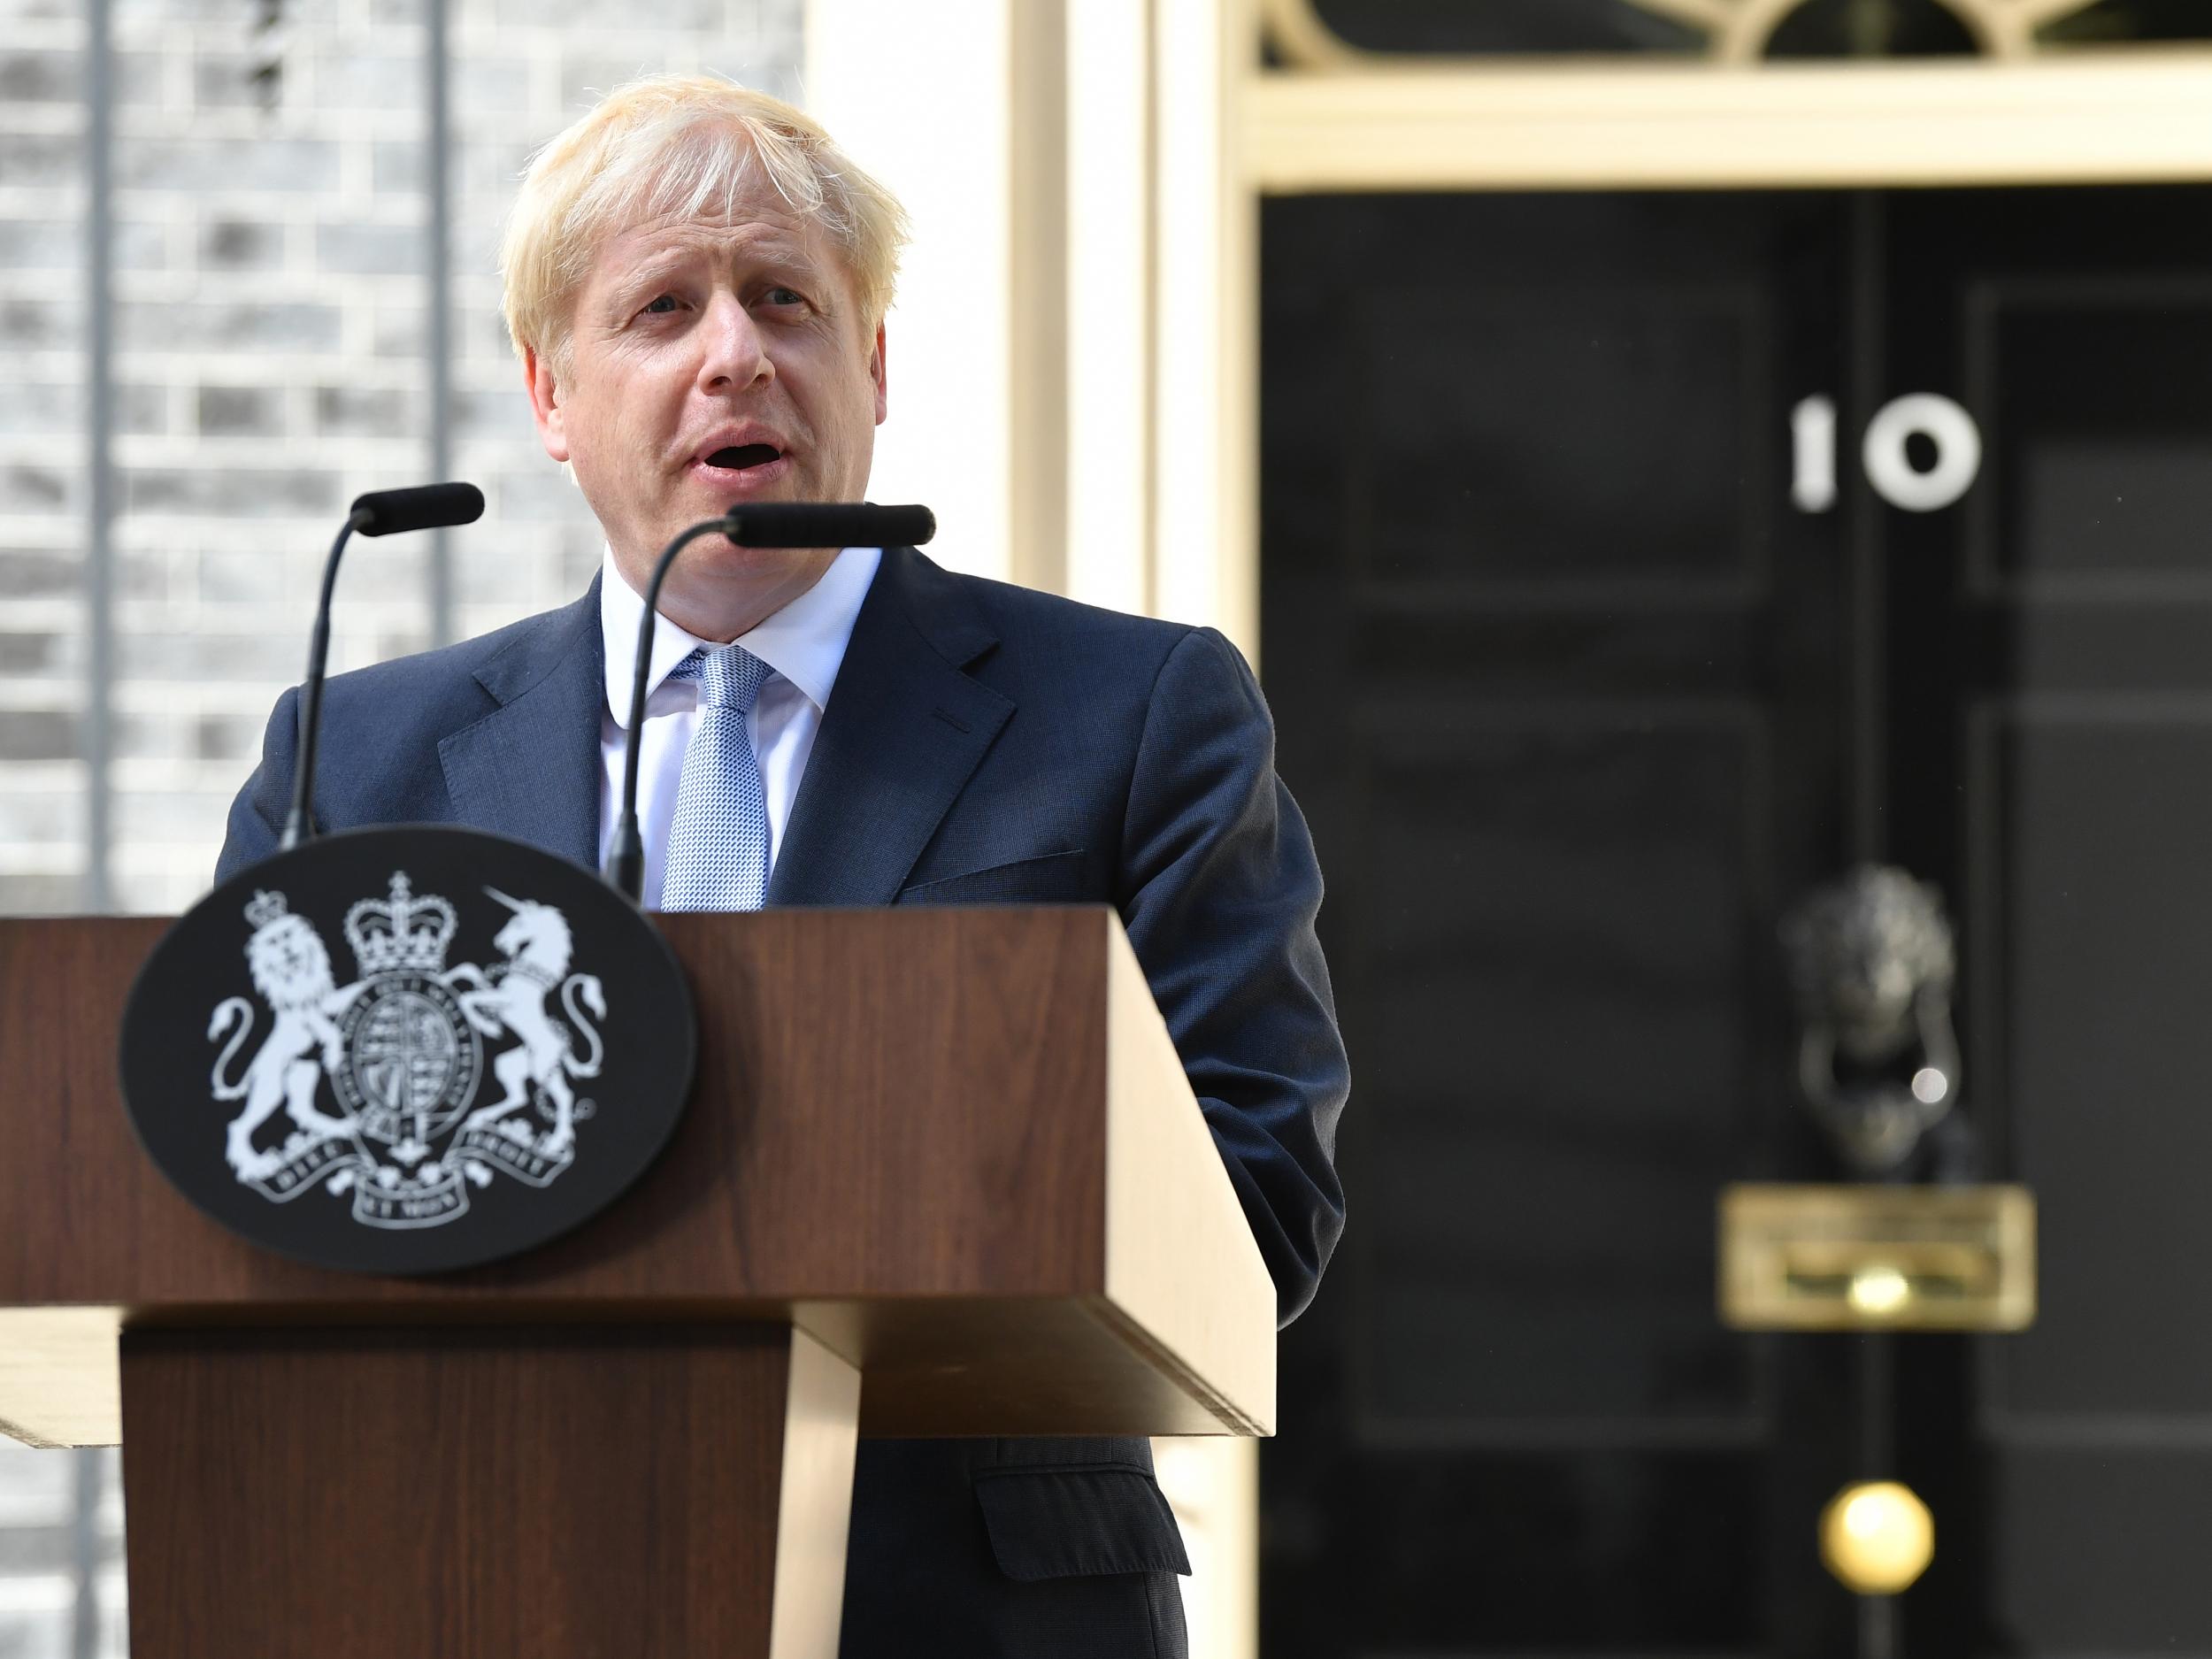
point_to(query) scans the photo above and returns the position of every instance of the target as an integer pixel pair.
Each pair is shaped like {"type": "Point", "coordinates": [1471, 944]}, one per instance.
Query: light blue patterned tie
{"type": "Point", "coordinates": [718, 842]}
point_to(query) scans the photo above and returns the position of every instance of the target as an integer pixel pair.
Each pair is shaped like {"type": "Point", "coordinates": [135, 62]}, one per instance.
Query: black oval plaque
{"type": "Point", "coordinates": [404, 1050]}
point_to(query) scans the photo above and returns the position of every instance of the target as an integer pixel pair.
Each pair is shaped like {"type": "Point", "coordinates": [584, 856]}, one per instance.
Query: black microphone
{"type": "Point", "coordinates": [380, 513]}
{"type": "Point", "coordinates": [423, 507]}
{"type": "Point", "coordinates": [838, 524]}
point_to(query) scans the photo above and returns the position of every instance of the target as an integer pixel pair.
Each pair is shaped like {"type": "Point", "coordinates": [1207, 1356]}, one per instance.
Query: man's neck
{"type": "Point", "coordinates": [723, 610]}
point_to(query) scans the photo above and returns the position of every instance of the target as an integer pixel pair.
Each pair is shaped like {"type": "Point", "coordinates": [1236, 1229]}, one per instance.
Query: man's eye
{"type": "Point", "coordinates": [662, 306]}
{"type": "Point", "coordinates": [785, 296]}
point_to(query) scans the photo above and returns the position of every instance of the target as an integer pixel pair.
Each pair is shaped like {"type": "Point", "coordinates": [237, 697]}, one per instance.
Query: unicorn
{"type": "Point", "coordinates": [516, 997]}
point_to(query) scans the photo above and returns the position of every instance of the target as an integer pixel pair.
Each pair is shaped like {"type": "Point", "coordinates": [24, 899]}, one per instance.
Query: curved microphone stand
{"type": "Point", "coordinates": [380, 513]}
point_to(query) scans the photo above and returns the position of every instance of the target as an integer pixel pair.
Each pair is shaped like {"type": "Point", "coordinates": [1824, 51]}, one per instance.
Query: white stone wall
{"type": "Point", "coordinates": [270, 332]}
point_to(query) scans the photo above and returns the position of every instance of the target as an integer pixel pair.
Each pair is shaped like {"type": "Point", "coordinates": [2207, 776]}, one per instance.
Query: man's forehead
{"type": "Point", "coordinates": [769, 228]}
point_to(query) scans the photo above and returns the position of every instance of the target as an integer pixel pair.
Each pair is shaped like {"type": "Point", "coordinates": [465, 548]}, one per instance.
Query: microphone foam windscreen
{"type": "Point", "coordinates": [423, 507]}
{"type": "Point", "coordinates": [831, 524]}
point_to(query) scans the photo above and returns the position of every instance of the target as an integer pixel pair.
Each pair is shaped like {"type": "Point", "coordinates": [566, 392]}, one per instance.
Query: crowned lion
{"type": "Point", "coordinates": [291, 970]}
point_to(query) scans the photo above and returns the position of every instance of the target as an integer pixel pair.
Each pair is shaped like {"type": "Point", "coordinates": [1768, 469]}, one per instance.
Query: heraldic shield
{"type": "Point", "coordinates": [511, 1049]}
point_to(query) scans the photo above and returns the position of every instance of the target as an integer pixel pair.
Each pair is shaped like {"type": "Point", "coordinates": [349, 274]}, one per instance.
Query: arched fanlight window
{"type": "Point", "coordinates": [1344, 33]}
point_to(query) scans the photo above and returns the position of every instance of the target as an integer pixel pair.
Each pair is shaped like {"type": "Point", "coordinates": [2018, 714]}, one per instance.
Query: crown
{"type": "Point", "coordinates": [265, 907]}
{"type": "Point", "coordinates": [401, 934]}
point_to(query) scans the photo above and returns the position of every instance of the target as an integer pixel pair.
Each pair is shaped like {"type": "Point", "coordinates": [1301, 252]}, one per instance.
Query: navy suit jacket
{"type": "Point", "coordinates": [983, 744]}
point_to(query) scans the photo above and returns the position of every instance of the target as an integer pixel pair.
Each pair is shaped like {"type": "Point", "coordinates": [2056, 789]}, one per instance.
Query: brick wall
{"type": "Point", "coordinates": [40, 1570]}
{"type": "Point", "coordinates": [271, 331]}
{"type": "Point", "coordinates": [42, 455]}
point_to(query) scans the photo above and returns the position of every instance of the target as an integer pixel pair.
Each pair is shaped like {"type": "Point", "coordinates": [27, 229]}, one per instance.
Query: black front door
{"type": "Point", "coordinates": [1598, 633]}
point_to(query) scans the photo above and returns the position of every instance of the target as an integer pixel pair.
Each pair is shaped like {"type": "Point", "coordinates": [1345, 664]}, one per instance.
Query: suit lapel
{"type": "Point", "coordinates": [531, 768]}
{"type": "Point", "coordinates": [904, 730]}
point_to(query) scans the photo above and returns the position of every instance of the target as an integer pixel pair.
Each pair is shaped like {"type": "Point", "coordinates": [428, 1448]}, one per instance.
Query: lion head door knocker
{"type": "Point", "coordinates": [1872, 964]}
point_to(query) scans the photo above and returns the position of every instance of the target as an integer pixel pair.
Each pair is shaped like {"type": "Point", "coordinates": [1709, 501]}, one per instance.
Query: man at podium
{"type": "Point", "coordinates": [695, 282]}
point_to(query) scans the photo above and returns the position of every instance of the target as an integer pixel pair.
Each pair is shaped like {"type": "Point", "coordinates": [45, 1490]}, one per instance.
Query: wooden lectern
{"type": "Point", "coordinates": [940, 1174]}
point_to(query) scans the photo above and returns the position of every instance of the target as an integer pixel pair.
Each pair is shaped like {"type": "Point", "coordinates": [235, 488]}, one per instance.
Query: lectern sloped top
{"type": "Point", "coordinates": [957, 1147]}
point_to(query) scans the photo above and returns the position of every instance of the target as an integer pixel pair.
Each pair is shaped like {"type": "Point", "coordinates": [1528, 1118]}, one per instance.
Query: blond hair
{"type": "Point", "coordinates": [673, 148]}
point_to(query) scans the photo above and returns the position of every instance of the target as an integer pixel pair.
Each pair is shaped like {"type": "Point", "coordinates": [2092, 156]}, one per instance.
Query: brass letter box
{"type": "Point", "coordinates": [1867, 1258]}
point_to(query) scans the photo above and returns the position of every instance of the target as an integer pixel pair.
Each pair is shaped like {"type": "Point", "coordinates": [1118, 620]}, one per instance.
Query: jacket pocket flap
{"type": "Point", "coordinates": [1077, 1522]}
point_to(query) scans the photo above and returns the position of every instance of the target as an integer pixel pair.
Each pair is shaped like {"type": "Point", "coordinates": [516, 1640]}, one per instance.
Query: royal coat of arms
{"type": "Point", "coordinates": [370, 1089]}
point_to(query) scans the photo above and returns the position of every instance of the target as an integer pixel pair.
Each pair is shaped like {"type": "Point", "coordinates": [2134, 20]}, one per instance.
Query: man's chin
{"type": "Point", "coordinates": [728, 560]}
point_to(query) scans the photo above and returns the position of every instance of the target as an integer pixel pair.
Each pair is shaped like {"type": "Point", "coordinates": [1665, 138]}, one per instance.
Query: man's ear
{"type": "Point", "coordinates": [875, 374]}
{"type": "Point", "coordinates": [545, 404]}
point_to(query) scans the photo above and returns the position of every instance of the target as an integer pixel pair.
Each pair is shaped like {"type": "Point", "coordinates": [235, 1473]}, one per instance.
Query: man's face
{"type": "Point", "coordinates": [710, 364]}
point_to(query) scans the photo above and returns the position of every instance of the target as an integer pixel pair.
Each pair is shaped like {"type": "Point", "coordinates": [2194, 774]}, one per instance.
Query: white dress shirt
{"type": "Point", "coordinates": [804, 645]}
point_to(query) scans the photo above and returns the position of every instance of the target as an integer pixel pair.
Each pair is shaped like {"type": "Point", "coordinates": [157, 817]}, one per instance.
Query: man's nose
{"type": "Point", "coordinates": [734, 356]}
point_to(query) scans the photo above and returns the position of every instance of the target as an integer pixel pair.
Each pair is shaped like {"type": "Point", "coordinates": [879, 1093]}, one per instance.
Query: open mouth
{"type": "Point", "coordinates": [743, 456]}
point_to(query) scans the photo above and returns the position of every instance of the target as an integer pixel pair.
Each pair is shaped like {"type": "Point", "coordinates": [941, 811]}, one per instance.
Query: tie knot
{"type": "Point", "coordinates": [729, 676]}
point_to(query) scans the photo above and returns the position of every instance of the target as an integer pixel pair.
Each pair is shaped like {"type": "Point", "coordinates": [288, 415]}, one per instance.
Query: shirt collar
{"type": "Point", "coordinates": [804, 642]}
